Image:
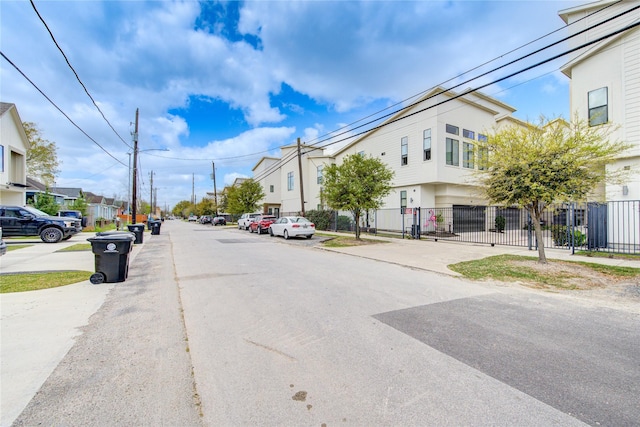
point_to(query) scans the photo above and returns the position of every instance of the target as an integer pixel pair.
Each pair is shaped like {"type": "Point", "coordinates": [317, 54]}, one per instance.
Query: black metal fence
{"type": "Point", "coordinates": [608, 227]}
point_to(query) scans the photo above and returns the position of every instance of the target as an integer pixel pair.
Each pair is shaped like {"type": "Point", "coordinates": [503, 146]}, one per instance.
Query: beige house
{"type": "Point", "coordinates": [605, 81]}
{"type": "Point", "coordinates": [13, 156]}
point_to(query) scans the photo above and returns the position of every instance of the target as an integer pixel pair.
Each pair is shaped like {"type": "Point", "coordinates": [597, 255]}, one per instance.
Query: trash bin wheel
{"type": "Point", "coordinates": [97, 278]}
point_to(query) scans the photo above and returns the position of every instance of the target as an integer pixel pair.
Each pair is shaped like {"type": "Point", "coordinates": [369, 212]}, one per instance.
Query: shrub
{"type": "Point", "coordinates": [344, 223]}
{"type": "Point", "coordinates": [321, 218]}
{"type": "Point", "coordinates": [500, 223]}
{"type": "Point", "coordinates": [562, 236]}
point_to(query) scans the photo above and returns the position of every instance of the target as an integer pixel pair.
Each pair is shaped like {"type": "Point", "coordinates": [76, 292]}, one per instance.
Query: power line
{"type": "Point", "coordinates": [76, 74]}
{"type": "Point", "coordinates": [59, 109]}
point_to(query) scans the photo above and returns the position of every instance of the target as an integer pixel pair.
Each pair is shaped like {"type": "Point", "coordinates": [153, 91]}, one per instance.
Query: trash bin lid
{"type": "Point", "coordinates": [110, 237]}
{"type": "Point", "coordinates": [113, 233]}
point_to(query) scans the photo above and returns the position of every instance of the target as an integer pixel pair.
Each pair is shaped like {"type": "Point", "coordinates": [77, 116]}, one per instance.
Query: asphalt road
{"type": "Point", "coordinates": [222, 327]}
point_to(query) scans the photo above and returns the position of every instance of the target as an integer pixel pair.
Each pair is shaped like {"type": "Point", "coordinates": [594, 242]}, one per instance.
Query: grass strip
{"type": "Point", "coordinates": [22, 282]}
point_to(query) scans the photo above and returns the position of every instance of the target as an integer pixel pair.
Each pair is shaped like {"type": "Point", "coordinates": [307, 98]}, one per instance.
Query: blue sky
{"type": "Point", "coordinates": [230, 82]}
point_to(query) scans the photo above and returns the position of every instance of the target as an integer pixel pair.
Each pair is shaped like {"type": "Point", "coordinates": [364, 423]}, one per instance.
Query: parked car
{"type": "Point", "coordinates": [193, 218]}
{"type": "Point", "coordinates": [261, 223]}
{"type": "Point", "coordinates": [29, 221]}
{"type": "Point", "coordinates": [74, 214]}
{"type": "Point", "coordinates": [219, 220]}
{"type": "Point", "coordinates": [205, 219]}
{"type": "Point", "coordinates": [292, 226]}
{"type": "Point", "coordinates": [246, 219]}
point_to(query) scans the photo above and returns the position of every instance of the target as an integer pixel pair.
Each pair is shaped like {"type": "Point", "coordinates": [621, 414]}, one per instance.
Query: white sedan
{"type": "Point", "coordinates": [292, 226]}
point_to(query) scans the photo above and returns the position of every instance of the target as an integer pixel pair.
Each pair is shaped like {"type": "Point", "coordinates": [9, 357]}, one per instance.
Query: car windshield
{"type": "Point", "coordinates": [301, 219]}
{"type": "Point", "coordinates": [34, 211]}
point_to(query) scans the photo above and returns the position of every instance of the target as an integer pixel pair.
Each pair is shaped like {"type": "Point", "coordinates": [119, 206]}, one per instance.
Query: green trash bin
{"type": "Point", "coordinates": [138, 231]}
{"type": "Point", "coordinates": [111, 252]}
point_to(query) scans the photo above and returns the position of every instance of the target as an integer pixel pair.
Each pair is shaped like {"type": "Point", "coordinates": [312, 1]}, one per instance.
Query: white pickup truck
{"type": "Point", "coordinates": [246, 219]}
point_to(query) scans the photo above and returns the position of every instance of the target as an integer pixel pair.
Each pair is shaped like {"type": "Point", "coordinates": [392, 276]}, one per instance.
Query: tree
{"type": "Point", "coordinates": [357, 185]}
{"type": "Point", "coordinates": [205, 207]}
{"type": "Point", "coordinates": [183, 208]}
{"type": "Point", "coordinates": [42, 156]}
{"type": "Point", "coordinates": [46, 203]}
{"type": "Point", "coordinates": [80, 204]}
{"type": "Point", "coordinates": [553, 161]}
{"type": "Point", "coordinates": [244, 198]}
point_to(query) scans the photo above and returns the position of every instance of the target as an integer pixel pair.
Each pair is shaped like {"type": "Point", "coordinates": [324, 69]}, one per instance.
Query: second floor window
{"type": "Point", "coordinates": [404, 150]}
{"type": "Point", "coordinates": [290, 181]}
{"type": "Point", "coordinates": [598, 106]}
{"type": "Point", "coordinates": [452, 152]}
{"type": "Point", "coordinates": [467, 155]}
{"type": "Point", "coordinates": [483, 158]}
{"type": "Point", "coordinates": [319, 175]}
{"type": "Point", "coordinates": [271, 189]}
{"type": "Point", "coordinates": [426, 144]}
{"type": "Point", "coordinates": [452, 129]}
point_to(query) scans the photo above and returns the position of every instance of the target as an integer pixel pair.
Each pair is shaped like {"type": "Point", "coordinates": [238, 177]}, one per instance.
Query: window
{"type": "Point", "coordinates": [403, 200]}
{"type": "Point", "coordinates": [290, 181]}
{"type": "Point", "coordinates": [483, 157]}
{"type": "Point", "coordinates": [404, 150]}
{"type": "Point", "coordinates": [482, 138]}
{"type": "Point", "coordinates": [319, 174]}
{"type": "Point", "coordinates": [598, 108]}
{"type": "Point", "coordinates": [453, 155]}
{"type": "Point", "coordinates": [1, 158]}
{"type": "Point", "coordinates": [271, 189]}
{"type": "Point", "coordinates": [467, 155]}
{"type": "Point", "coordinates": [453, 129]}
{"type": "Point", "coordinates": [468, 134]}
{"type": "Point", "coordinates": [426, 144]}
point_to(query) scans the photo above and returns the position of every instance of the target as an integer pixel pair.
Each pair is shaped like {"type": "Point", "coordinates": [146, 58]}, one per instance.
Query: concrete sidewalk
{"type": "Point", "coordinates": [39, 327]}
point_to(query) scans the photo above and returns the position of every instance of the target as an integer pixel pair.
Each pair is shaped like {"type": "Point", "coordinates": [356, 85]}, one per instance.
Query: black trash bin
{"type": "Point", "coordinates": [155, 227]}
{"type": "Point", "coordinates": [111, 252]}
{"type": "Point", "coordinates": [138, 231]}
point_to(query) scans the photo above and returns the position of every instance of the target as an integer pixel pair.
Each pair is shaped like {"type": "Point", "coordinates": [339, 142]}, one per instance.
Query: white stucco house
{"type": "Point", "coordinates": [605, 80]}
{"type": "Point", "coordinates": [13, 156]}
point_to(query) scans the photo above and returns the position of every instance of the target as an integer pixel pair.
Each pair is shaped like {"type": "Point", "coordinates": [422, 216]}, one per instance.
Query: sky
{"type": "Point", "coordinates": [226, 82]}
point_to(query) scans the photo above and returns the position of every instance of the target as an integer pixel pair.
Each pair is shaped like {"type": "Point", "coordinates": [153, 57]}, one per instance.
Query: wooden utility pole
{"type": "Point", "coordinates": [215, 191]}
{"type": "Point", "coordinates": [134, 202]}
{"type": "Point", "coordinates": [300, 173]}
{"type": "Point", "coordinates": [151, 192]}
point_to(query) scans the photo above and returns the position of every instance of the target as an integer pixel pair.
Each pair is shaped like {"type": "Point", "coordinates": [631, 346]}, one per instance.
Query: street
{"type": "Point", "coordinates": [219, 327]}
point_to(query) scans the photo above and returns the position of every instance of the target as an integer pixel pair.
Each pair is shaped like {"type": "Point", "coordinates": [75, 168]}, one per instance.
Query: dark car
{"type": "Point", "coordinates": [29, 221]}
{"type": "Point", "coordinates": [3, 245]}
{"type": "Point", "coordinates": [73, 214]}
{"type": "Point", "coordinates": [219, 220]}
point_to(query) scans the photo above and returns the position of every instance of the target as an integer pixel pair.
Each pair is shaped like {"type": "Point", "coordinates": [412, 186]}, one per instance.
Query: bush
{"type": "Point", "coordinates": [321, 218]}
{"type": "Point", "coordinates": [562, 236]}
{"type": "Point", "coordinates": [500, 223]}
{"type": "Point", "coordinates": [344, 223]}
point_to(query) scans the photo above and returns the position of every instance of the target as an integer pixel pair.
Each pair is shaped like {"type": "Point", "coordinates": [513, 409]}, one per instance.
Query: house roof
{"type": "Point", "coordinates": [93, 198]}
{"type": "Point", "coordinates": [36, 185]}
{"type": "Point", "coordinates": [5, 106]}
{"type": "Point", "coordinates": [68, 191]}
{"type": "Point", "coordinates": [9, 108]}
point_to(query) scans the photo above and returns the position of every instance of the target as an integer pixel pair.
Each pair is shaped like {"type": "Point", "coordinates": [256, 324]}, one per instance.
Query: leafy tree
{"type": "Point", "coordinates": [80, 204]}
{"type": "Point", "coordinates": [205, 207]}
{"type": "Point", "coordinates": [357, 185]}
{"type": "Point", "coordinates": [553, 161]}
{"type": "Point", "coordinates": [245, 198]}
{"type": "Point", "coordinates": [46, 203]}
{"type": "Point", "coordinates": [42, 156]}
{"type": "Point", "coordinates": [183, 208]}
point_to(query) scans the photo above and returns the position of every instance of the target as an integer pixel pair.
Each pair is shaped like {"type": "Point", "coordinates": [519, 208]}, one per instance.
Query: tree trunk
{"type": "Point", "coordinates": [536, 215]}
{"type": "Point", "coordinates": [356, 217]}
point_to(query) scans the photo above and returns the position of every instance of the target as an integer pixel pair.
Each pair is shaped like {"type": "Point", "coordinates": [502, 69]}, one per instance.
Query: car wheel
{"type": "Point", "coordinates": [51, 235]}
{"type": "Point", "coordinates": [270, 232]}
{"type": "Point", "coordinates": [286, 234]}
{"type": "Point", "coordinates": [309, 236]}
{"type": "Point", "coordinates": [239, 228]}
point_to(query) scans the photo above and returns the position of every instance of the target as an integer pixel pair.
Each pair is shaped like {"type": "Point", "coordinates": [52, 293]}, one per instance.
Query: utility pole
{"type": "Point", "coordinates": [134, 209]}
{"type": "Point", "coordinates": [155, 198]}
{"type": "Point", "coordinates": [151, 192]}
{"type": "Point", "coordinates": [300, 172]}
{"type": "Point", "coordinates": [193, 188]}
{"type": "Point", "coordinates": [215, 192]}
